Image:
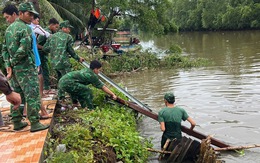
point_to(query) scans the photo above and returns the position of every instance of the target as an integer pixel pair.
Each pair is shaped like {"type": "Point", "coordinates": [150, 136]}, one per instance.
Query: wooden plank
{"type": "Point", "coordinates": [164, 148]}
{"type": "Point", "coordinates": [173, 144]}
{"type": "Point", "coordinates": [184, 129]}
{"type": "Point", "coordinates": [184, 150]}
{"type": "Point", "coordinates": [177, 150]}
{"type": "Point", "coordinates": [193, 152]}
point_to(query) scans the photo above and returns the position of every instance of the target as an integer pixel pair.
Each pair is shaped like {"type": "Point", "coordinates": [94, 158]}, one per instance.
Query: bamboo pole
{"type": "Point", "coordinates": [164, 148]}
{"type": "Point", "coordinates": [158, 151]}
{"type": "Point", "coordinates": [237, 147]}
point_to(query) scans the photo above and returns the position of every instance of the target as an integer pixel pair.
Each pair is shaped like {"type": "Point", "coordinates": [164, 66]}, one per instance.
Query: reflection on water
{"type": "Point", "coordinates": [223, 98]}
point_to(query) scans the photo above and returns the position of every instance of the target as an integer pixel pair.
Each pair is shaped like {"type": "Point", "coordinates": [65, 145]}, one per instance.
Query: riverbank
{"type": "Point", "coordinates": [107, 134]}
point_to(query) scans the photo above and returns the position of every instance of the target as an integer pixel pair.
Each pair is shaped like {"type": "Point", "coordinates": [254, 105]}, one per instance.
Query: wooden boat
{"type": "Point", "coordinates": [128, 42]}
{"type": "Point", "coordinates": [130, 48]}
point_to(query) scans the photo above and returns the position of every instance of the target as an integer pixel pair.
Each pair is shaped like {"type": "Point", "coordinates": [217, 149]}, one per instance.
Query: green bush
{"type": "Point", "coordinates": [109, 131]}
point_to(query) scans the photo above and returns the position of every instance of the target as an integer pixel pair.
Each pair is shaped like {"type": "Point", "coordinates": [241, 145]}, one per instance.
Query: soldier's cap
{"type": "Point", "coordinates": [65, 24]}
{"type": "Point", "coordinates": [169, 97]}
{"type": "Point", "coordinates": [27, 6]}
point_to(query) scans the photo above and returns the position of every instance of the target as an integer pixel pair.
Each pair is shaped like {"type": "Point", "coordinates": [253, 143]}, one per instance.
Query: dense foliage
{"type": "Point", "coordinates": [156, 16]}
{"type": "Point", "coordinates": [164, 16]}
{"type": "Point", "coordinates": [216, 15]}
{"type": "Point", "coordinates": [107, 134]}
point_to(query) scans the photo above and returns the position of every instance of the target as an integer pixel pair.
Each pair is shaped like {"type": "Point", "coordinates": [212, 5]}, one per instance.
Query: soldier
{"type": "Point", "coordinates": [10, 13]}
{"type": "Point", "coordinates": [19, 60]}
{"type": "Point", "coordinates": [75, 84]}
{"type": "Point", "coordinates": [52, 28]}
{"type": "Point", "coordinates": [60, 47]}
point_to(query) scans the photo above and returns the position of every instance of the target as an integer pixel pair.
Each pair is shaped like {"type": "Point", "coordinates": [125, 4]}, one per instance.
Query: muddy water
{"type": "Point", "coordinates": [223, 99]}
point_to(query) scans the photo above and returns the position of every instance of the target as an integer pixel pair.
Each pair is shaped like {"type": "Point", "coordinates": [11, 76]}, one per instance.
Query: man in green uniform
{"type": "Point", "coordinates": [52, 28]}
{"type": "Point", "coordinates": [20, 63]}
{"type": "Point", "coordinates": [60, 47]}
{"type": "Point", "coordinates": [75, 83]}
{"type": "Point", "coordinates": [170, 119]}
{"type": "Point", "coordinates": [10, 13]}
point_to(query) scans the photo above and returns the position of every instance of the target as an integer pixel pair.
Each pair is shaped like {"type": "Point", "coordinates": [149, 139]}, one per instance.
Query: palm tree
{"type": "Point", "coordinates": [61, 11]}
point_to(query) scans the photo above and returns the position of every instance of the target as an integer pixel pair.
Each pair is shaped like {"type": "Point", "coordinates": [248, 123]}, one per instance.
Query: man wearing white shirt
{"type": "Point", "coordinates": [38, 30]}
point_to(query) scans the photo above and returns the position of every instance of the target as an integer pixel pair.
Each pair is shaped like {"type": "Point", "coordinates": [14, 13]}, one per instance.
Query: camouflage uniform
{"type": "Point", "coordinates": [60, 47]}
{"type": "Point", "coordinates": [75, 84]}
{"type": "Point", "coordinates": [18, 54]}
{"type": "Point", "coordinates": [44, 61]}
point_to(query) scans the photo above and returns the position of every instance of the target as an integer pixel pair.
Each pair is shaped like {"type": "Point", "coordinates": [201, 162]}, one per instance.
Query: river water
{"type": "Point", "coordinates": [223, 98]}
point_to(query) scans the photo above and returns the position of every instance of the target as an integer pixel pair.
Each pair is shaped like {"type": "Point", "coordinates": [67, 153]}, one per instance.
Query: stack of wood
{"type": "Point", "coordinates": [207, 152]}
{"type": "Point", "coordinates": [188, 150]}
{"type": "Point", "coordinates": [180, 151]}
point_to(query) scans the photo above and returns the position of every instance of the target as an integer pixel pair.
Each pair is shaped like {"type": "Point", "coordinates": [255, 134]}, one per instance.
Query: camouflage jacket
{"type": "Point", "coordinates": [59, 45]}
{"type": "Point", "coordinates": [84, 76]}
{"type": "Point", "coordinates": [17, 47]}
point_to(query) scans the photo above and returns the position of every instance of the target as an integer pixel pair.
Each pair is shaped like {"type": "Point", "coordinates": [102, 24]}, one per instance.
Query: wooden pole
{"type": "Point", "coordinates": [237, 147]}
{"type": "Point", "coordinates": [164, 148]}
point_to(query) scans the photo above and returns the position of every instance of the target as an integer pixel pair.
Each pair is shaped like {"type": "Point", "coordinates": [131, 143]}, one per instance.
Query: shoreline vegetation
{"type": "Point", "coordinates": [141, 60]}
{"type": "Point", "coordinates": [108, 134]}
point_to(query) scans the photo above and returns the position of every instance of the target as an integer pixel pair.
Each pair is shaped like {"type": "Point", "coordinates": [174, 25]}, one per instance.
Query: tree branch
{"type": "Point", "coordinates": [237, 147]}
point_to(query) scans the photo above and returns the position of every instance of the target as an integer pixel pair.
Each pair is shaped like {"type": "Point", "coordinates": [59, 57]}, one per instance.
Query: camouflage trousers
{"type": "Point", "coordinates": [26, 83]}
{"type": "Point", "coordinates": [60, 73]}
{"type": "Point", "coordinates": [78, 92]}
{"type": "Point", "coordinates": [45, 72]}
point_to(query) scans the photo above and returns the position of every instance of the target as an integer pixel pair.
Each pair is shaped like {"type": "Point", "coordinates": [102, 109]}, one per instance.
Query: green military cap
{"type": "Point", "coordinates": [169, 97]}
{"type": "Point", "coordinates": [27, 6]}
{"type": "Point", "coordinates": [65, 24]}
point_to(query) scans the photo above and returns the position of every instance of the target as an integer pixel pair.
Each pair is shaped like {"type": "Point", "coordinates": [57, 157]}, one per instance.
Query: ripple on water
{"type": "Point", "coordinates": [243, 112]}
{"type": "Point", "coordinates": [225, 121]}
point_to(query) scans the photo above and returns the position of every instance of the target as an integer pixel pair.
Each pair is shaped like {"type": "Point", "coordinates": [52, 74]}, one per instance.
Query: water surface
{"type": "Point", "coordinates": [223, 98]}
